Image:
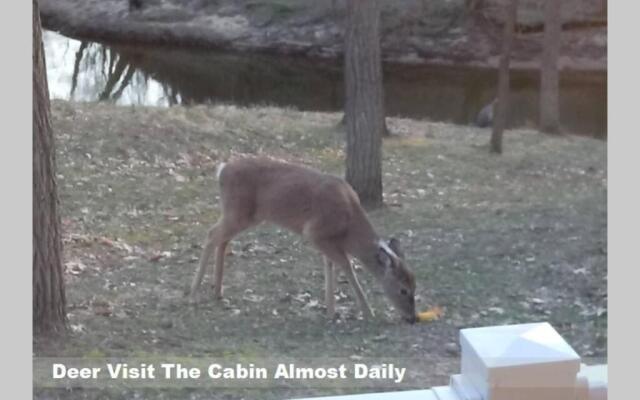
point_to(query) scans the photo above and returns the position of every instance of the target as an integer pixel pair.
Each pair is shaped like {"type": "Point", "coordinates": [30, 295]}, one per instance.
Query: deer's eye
{"type": "Point", "coordinates": [403, 292]}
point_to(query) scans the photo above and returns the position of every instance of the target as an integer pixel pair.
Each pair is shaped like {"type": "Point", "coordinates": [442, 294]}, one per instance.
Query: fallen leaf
{"type": "Point", "coordinates": [74, 267]}
{"type": "Point", "coordinates": [496, 310]}
{"type": "Point", "coordinates": [380, 338]}
{"type": "Point", "coordinates": [580, 271]}
{"type": "Point", "coordinates": [312, 304]}
{"type": "Point", "coordinates": [253, 298]}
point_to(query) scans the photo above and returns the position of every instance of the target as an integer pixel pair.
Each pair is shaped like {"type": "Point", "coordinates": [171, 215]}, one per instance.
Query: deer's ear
{"type": "Point", "coordinates": [394, 244]}
{"type": "Point", "coordinates": [385, 259]}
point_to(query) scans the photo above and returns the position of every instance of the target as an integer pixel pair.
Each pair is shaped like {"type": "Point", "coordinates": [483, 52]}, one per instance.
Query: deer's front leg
{"type": "Point", "coordinates": [208, 248]}
{"type": "Point", "coordinates": [335, 254]}
{"type": "Point", "coordinates": [353, 280]}
{"type": "Point", "coordinates": [217, 240]}
{"type": "Point", "coordinates": [329, 287]}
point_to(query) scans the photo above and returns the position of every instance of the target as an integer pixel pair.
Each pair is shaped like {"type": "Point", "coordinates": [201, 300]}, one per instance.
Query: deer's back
{"type": "Point", "coordinates": [296, 197]}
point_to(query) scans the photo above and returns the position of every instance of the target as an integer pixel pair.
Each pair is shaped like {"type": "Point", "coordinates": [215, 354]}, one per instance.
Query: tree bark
{"type": "Point", "coordinates": [549, 75]}
{"type": "Point", "coordinates": [502, 105]}
{"type": "Point", "coordinates": [364, 109]}
{"type": "Point", "coordinates": [49, 300]}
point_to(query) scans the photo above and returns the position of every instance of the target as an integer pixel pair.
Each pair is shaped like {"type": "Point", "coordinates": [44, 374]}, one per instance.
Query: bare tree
{"type": "Point", "coordinates": [48, 283]}
{"type": "Point", "coordinates": [364, 108]}
{"type": "Point", "coordinates": [549, 75]}
{"type": "Point", "coordinates": [502, 105]}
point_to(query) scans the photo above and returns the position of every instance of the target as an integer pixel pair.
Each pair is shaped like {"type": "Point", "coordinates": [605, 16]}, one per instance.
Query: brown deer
{"type": "Point", "coordinates": [322, 208]}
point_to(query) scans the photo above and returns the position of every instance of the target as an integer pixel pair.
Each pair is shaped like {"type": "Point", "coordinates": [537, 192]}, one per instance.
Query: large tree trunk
{"type": "Point", "coordinates": [549, 75]}
{"type": "Point", "coordinates": [364, 108]}
{"type": "Point", "coordinates": [48, 282]}
{"type": "Point", "coordinates": [502, 105]}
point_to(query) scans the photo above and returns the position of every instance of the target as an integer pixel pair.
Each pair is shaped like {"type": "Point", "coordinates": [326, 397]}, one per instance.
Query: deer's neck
{"type": "Point", "coordinates": [364, 244]}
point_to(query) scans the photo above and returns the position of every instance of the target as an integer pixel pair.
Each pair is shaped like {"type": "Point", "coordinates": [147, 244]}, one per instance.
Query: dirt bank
{"type": "Point", "coordinates": [494, 240]}
{"type": "Point", "coordinates": [415, 31]}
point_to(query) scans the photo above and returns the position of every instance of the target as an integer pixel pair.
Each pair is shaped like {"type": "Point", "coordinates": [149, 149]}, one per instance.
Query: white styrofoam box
{"type": "Point", "coordinates": [527, 361]}
{"type": "Point", "coordinates": [463, 388]}
{"type": "Point", "coordinates": [405, 395]}
{"type": "Point", "coordinates": [445, 393]}
{"type": "Point", "coordinates": [592, 382]}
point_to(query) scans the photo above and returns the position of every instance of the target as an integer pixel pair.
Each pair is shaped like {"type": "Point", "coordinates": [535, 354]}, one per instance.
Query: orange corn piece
{"type": "Point", "coordinates": [431, 314]}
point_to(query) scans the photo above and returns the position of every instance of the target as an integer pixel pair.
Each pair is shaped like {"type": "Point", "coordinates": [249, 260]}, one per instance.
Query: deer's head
{"type": "Point", "coordinates": [398, 280]}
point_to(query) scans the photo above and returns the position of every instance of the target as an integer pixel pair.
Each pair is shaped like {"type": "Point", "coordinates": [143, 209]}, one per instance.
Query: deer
{"type": "Point", "coordinates": [322, 208]}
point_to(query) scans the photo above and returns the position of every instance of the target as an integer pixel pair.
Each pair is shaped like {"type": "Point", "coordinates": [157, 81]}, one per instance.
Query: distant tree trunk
{"type": "Point", "coordinates": [364, 108]}
{"type": "Point", "coordinates": [502, 105]}
{"type": "Point", "coordinates": [549, 75]}
{"type": "Point", "coordinates": [48, 282]}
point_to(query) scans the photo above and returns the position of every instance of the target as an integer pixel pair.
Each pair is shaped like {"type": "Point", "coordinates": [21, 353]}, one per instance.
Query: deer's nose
{"type": "Point", "coordinates": [412, 319]}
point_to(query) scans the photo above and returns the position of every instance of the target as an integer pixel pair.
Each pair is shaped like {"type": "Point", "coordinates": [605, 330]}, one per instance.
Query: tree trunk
{"type": "Point", "coordinates": [364, 108]}
{"type": "Point", "coordinates": [502, 105]}
{"type": "Point", "coordinates": [385, 133]}
{"type": "Point", "coordinates": [549, 75]}
{"type": "Point", "coordinates": [48, 282]}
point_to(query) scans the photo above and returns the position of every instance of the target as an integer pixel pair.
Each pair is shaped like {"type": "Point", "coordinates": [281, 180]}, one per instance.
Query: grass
{"type": "Point", "coordinates": [494, 239]}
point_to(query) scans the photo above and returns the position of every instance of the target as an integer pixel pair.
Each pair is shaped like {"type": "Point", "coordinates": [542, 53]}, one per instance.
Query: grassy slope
{"type": "Point", "coordinates": [516, 238]}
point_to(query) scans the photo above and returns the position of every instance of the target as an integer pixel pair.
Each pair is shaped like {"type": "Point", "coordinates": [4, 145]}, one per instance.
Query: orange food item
{"type": "Point", "coordinates": [431, 314]}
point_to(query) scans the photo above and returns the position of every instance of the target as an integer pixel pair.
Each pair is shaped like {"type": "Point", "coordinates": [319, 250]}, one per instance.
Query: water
{"type": "Point", "coordinates": [140, 75]}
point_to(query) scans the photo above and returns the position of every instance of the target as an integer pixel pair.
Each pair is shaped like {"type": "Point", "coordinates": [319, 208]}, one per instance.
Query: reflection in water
{"type": "Point", "coordinates": [89, 71]}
